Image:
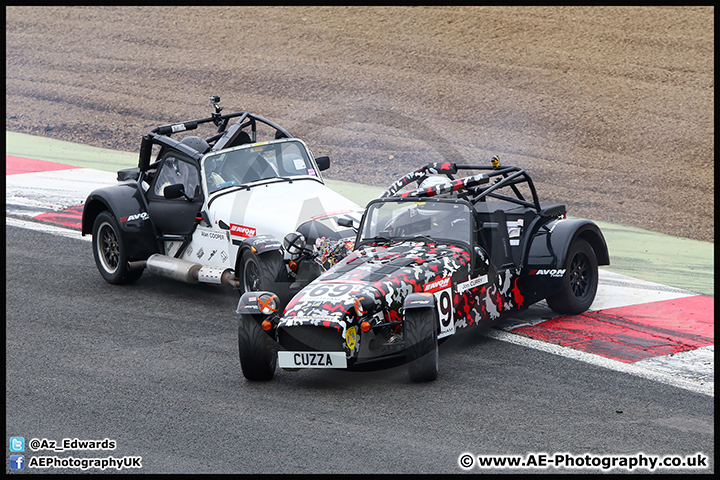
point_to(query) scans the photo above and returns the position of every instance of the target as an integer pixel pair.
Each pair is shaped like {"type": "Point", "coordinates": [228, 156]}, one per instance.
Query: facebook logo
{"type": "Point", "coordinates": [17, 462]}
{"type": "Point", "coordinates": [17, 444]}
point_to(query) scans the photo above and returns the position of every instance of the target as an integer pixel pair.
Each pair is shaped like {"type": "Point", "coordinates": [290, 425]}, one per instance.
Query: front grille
{"type": "Point", "coordinates": [310, 338]}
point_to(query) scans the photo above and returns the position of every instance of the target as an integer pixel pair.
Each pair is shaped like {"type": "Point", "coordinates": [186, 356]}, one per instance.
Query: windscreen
{"type": "Point", "coordinates": [257, 162]}
{"type": "Point", "coordinates": [435, 220]}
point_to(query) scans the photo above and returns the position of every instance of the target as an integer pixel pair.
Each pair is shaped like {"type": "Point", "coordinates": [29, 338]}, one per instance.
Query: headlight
{"type": "Point", "coordinates": [360, 309]}
{"type": "Point", "coordinates": [267, 303]}
{"type": "Point", "coordinates": [294, 243]}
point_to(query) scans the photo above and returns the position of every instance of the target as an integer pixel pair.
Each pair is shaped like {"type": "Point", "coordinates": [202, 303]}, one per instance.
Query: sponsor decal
{"type": "Point", "coordinates": [213, 235]}
{"type": "Point", "coordinates": [242, 230]}
{"type": "Point", "coordinates": [436, 285]}
{"type": "Point", "coordinates": [421, 303]}
{"type": "Point", "coordinates": [472, 283]}
{"type": "Point", "coordinates": [550, 272]}
{"type": "Point", "coordinates": [264, 242]}
{"type": "Point", "coordinates": [200, 253]}
{"type": "Point", "coordinates": [351, 338]}
{"type": "Point", "coordinates": [142, 216]}
{"type": "Point", "coordinates": [223, 256]}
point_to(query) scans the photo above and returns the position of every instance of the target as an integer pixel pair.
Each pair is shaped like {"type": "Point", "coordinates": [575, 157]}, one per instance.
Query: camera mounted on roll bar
{"type": "Point", "coordinates": [215, 100]}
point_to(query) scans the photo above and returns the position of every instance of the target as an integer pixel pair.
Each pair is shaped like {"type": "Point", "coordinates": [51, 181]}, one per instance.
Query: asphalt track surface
{"type": "Point", "coordinates": [154, 367]}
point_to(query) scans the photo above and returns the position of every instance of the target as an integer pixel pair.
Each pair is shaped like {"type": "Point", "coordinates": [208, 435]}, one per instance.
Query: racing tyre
{"type": "Point", "coordinates": [579, 284]}
{"type": "Point", "coordinates": [258, 352]}
{"type": "Point", "coordinates": [259, 273]}
{"type": "Point", "coordinates": [109, 251]}
{"type": "Point", "coordinates": [421, 344]}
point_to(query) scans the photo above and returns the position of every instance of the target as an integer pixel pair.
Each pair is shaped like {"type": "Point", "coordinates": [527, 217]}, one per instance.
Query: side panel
{"type": "Point", "coordinates": [209, 246]}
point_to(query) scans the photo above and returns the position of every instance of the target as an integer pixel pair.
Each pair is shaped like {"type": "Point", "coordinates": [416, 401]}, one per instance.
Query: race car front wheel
{"type": "Point", "coordinates": [258, 352]}
{"type": "Point", "coordinates": [580, 281]}
{"type": "Point", "coordinates": [109, 251]}
{"type": "Point", "coordinates": [259, 273]}
{"type": "Point", "coordinates": [421, 344]}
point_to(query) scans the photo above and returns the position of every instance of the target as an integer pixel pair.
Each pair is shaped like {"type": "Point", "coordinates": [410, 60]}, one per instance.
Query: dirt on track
{"type": "Point", "coordinates": [610, 109]}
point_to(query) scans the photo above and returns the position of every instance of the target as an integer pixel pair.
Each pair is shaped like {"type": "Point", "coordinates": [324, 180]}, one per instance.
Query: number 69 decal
{"type": "Point", "coordinates": [443, 298]}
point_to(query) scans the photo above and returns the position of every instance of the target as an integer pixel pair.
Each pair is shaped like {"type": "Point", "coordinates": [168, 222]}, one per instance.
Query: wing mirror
{"type": "Point", "coordinates": [347, 222]}
{"type": "Point", "coordinates": [323, 163]}
{"type": "Point", "coordinates": [176, 190]}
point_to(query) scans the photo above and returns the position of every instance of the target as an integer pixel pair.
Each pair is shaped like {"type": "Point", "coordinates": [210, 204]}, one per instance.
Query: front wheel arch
{"type": "Point", "coordinates": [257, 272]}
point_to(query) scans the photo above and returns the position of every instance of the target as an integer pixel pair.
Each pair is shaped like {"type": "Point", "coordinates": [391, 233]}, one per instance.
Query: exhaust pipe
{"type": "Point", "coordinates": [184, 271]}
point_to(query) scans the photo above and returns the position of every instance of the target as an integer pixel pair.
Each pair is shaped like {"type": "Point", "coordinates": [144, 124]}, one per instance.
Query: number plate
{"type": "Point", "coordinates": [311, 359]}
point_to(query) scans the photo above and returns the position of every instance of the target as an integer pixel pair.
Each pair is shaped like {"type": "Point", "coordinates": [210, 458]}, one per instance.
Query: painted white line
{"type": "Point", "coordinates": [47, 228]}
{"type": "Point", "coordinates": [52, 191]}
{"type": "Point", "coordinates": [698, 364]}
{"type": "Point", "coordinates": [617, 290]}
{"type": "Point", "coordinates": [645, 370]}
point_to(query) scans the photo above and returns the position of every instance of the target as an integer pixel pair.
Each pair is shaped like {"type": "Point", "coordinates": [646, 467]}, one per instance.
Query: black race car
{"type": "Point", "coordinates": [446, 256]}
{"type": "Point", "coordinates": [214, 210]}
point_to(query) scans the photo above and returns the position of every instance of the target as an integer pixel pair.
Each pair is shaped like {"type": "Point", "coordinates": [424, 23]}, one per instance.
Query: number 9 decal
{"type": "Point", "coordinates": [443, 298]}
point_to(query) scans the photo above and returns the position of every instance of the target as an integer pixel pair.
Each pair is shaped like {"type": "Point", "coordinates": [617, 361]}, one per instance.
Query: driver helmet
{"type": "Point", "coordinates": [434, 181]}
{"type": "Point", "coordinates": [197, 143]}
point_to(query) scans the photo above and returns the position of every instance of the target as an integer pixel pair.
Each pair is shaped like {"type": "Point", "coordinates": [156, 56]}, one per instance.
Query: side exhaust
{"type": "Point", "coordinates": [184, 271]}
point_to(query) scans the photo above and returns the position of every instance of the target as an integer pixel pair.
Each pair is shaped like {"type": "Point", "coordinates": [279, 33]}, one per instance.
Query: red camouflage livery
{"type": "Point", "coordinates": [447, 256]}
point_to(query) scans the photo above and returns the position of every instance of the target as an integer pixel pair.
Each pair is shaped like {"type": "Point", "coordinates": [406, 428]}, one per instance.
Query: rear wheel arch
{"type": "Point", "coordinates": [91, 210]}
{"type": "Point", "coordinates": [597, 242]}
{"type": "Point", "coordinates": [566, 232]}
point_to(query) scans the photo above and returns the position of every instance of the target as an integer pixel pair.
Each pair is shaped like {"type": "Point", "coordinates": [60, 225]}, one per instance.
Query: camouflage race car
{"type": "Point", "coordinates": [449, 255]}
{"type": "Point", "coordinates": [215, 209]}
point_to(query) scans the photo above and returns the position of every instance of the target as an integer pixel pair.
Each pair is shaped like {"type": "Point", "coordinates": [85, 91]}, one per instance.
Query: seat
{"type": "Point", "coordinates": [496, 237]}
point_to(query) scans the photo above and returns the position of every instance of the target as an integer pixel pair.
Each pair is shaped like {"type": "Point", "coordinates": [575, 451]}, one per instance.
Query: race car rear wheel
{"type": "Point", "coordinates": [258, 352]}
{"type": "Point", "coordinates": [580, 281]}
{"type": "Point", "coordinates": [421, 344]}
{"type": "Point", "coordinates": [109, 251]}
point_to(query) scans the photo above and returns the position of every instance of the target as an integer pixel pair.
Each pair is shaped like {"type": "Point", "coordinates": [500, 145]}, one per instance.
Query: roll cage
{"type": "Point", "coordinates": [505, 203]}
{"type": "Point", "coordinates": [228, 135]}
{"type": "Point", "coordinates": [475, 188]}
{"type": "Point", "coordinates": [225, 138]}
